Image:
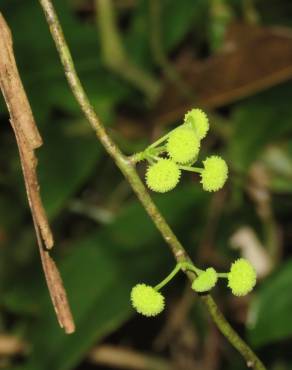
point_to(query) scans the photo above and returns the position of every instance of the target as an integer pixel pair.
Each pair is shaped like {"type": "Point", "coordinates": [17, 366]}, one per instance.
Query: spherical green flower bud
{"type": "Point", "coordinates": [183, 144]}
{"type": "Point", "coordinates": [146, 300]}
{"type": "Point", "coordinates": [242, 277]}
{"type": "Point", "coordinates": [205, 281]}
{"type": "Point", "coordinates": [198, 120]}
{"type": "Point", "coordinates": [214, 174]}
{"type": "Point", "coordinates": [163, 175]}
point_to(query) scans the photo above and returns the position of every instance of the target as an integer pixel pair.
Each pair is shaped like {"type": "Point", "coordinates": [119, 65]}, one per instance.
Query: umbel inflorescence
{"type": "Point", "coordinates": [178, 151]}
{"type": "Point", "coordinates": [168, 157]}
{"type": "Point", "coordinates": [241, 279]}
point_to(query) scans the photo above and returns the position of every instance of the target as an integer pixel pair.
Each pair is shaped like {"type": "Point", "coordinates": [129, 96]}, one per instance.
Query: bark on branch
{"type": "Point", "coordinates": [28, 139]}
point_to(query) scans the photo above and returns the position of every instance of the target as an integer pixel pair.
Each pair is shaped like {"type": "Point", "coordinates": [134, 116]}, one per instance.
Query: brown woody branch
{"type": "Point", "coordinates": [28, 139]}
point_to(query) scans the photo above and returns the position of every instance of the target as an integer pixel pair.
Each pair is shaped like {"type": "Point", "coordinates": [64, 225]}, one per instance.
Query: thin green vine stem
{"type": "Point", "coordinates": [147, 153]}
{"type": "Point", "coordinates": [191, 169]}
{"type": "Point", "coordinates": [159, 141]}
{"type": "Point", "coordinates": [169, 277]}
{"type": "Point", "coordinates": [184, 266]}
{"type": "Point", "coordinates": [128, 169]}
{"type": "Point", "coordinates": [223, 275]}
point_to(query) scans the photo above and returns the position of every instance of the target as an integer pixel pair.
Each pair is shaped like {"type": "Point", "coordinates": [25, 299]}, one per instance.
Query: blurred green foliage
{"type": "Point", "coordinates": [105, 242]}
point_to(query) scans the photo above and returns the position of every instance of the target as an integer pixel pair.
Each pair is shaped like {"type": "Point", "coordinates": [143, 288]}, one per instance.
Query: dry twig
{"type": "Point", "coordinates": [28, 139]}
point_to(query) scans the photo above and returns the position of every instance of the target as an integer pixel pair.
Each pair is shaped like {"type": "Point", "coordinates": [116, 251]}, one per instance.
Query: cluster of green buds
{"type": "Point", "coordinates": [178, 151]}
{"type": "Point", "coordinates": [168, 157]}
{"type": "Point", "coordinates": [149, 301]}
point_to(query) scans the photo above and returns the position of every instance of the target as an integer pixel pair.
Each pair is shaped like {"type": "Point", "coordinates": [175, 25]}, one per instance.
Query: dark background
{"type": "Point", "coordinates": [233, 59]}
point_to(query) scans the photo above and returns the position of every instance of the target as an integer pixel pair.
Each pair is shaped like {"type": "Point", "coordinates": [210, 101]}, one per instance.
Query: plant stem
{"type": "Point", "coordinates": [186, 266]}
{"type": "Point", "coordinates": [168, 278]}
{"type": "Point", "coordinates": [222, 275]}
{"type": "Point", "coordinates": [127, 168]}
{"type": "Point", "coordinates": [191, 169]}
{"type": "Point", "coordinates": [179, 266]}
{"type": "Point", "coordinates": [147, 154]}
{"type": "Point", "coordinates": [159, 141]}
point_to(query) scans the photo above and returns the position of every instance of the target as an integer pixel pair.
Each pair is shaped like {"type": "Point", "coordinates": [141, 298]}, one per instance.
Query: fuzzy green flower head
{"type": "Point", "coordinates": [146, 300]}
{"type": "Point", "coordinates": [183, 144]}
{"type": "Point", "coordinates": [242, 277]}
{"type": "Point", "coordinates": [197, 120]}
{"type": "Point", "coordinates": [205, 281]}
{"type": "Point", "coordinates": [214, 174]}
{"type": "Point", "coordinates": [163, 175]}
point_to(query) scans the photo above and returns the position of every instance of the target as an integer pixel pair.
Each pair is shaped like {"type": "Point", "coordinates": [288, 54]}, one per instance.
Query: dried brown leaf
{"type": "Point", "coordinates": [254, 58]}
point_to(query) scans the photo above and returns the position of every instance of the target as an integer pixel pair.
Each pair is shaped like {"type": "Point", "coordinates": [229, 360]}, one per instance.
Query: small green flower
{"type": "Point", "coordinates": [146, 300]}
{"type": "Point", "coordinates": [242, 277]}
{"type": "Point", "coordinates": [163, 175]}
{"type": "Point", "coordinates": [183, 145]}
{"type": "Point", "coordinates": [197, 120]}
{"type": "Point", "coordinates": [205, 281]}
{"type": "Point", "coordinates": [214, 174]}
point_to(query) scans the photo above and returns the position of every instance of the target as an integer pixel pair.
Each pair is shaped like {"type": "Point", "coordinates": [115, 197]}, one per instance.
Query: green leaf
{"type": "Point", "coordinates": [221, 15]}
{"type": "Point", "coordinates": [178, 19]}
{"type": "Point", "coordinates": [270, 312]}
{"type": "Point", "coordinates": [257, 121]}
{"type": "Point", "coordinates": [66, 160]}
{"type": "Point", "coordinates": [182, 198]}
{"type": "Point", "coordinates": [137, 37]}
{"type": "Point", "coordinates": [93, 279]}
